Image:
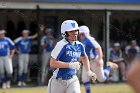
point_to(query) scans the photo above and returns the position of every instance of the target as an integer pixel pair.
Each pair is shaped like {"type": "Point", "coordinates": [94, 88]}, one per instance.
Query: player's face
{"type": "Point", "coordinates": [2, 35]}
{"type": "Point", "coordinates": [81, 35]}
{"type": "Point", "coordinates": [72, 35]}
{"type": "Point", "coordinates": [48, 33]}
{"type": "Point", "coordinates": [116, 48]}
{"type": "Point", "coordinates": [25, 34]}
{"type": "Point", "coordinates": [133, 44]}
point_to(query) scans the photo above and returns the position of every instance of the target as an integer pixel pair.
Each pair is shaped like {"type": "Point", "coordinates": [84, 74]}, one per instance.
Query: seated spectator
{"type": "Point", "coordinates": [116, 57]}
{"type": "Point", "coordinates": [130, 51]}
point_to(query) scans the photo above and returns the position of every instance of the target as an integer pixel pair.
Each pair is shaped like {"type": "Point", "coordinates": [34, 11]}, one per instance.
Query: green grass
{"type": "Point", "coordinates": [98, 88]}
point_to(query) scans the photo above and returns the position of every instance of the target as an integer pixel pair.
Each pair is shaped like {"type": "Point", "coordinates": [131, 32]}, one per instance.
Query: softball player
{"type": "Point", "coordinates": [23, 49]}
{"type": "Point", "coordinates": [47, 45]}
{"type": "Point", "coordinates": [65, 57]}
{"type": "Point", "coordinates": [6, 53]}
{"type": "Point", "coordinates": [94, 53]}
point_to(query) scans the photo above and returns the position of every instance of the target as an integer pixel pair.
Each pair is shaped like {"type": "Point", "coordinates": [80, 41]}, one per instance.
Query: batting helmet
{"type": "Point", "coordinates": [69, 25]}
{"type": "Point", "coordinates": [84, 29]}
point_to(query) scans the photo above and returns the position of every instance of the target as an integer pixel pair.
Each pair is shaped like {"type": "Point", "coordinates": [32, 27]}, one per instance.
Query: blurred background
{"type": "Point", "coordinates": [109, 22]}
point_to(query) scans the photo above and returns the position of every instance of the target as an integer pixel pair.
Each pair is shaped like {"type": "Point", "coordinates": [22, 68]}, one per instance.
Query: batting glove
{"type": "Point", "coordinates": [75, 65]}
{"type": "Point", "coordinates": [92, 75]}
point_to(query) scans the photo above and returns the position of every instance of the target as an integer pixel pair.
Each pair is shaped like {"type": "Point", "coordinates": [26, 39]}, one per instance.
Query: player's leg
{"type": "Point", "coordinates": [109, 66]}
{"type": "Point", "coordinates": [3, 79]}
{"type": "Point", "coordinates": [133, 76]}
{"type": "Point", "coordinates": [98, 70]}
{"type": "Point", "coordinates": [9, 71]}
{"type": "Point", "coordinates": [45, 59]}
{"type": "Point", "coordinates": [20, 69]}
{"type": "Point", "coordinates": [25, 68]}
{"type": "Point", "coordinates": [102, 74]}
{"type": "Point", "coordinates": [73, 86]}
{"type": "Point", "coordinates": [86, 80]}
{"type": "Point", "coordinates": [56, 86]}
{"type": "Point", "coordinates": [122, 69]}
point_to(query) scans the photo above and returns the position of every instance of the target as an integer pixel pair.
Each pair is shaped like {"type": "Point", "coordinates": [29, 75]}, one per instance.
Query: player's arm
{"type": "Point", "coordinates": [126, 50]}
{"type": "Point", "coordinates": [58, 64]}
{"type": "Point", "coordinates": [86, 65]}
{"type": "Point", "coordinates": [56, 54]}
{"type": "Point", "coordinates": [43, 45]}
{"type": "Point", "coordinates": [98, 49]}
{"type": "Point", "coordinates": [34, 36]}
{"type": "Point", "coordinates": [138, 49]}
{"type": "Point", "coordinates": [85, 62]}
{"type": "Point", "coordinates": [100, 53]}
{"type": "Point", "coordinates": [12, 52]}
{"type": "Point", "coordinates": [16, 41]}
{"type": "Point", "coordinates": [42, 27]}
{"type": "Point", "coordinates": [111, 55]}
{"type": "Point", "coordinates": [12, 47]}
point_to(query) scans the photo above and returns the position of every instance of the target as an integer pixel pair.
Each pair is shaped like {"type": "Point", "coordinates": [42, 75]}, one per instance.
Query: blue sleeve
{"type": "Point", "coordinates": [90, 44]}
{"type": "Point", "coordinates": [60, 53]}
{"type": "Point", "coordinates": [82, 50]}
{"type": "Point", "coordinates": [30, 39]}
{"type": "Point", "coordinates": [11, 44]}
{"type": "Point", "coordinates": [111, 54]}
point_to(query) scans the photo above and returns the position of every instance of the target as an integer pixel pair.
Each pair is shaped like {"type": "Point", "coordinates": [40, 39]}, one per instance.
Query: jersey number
{"type": "Point", "coordinates": [1, 46]}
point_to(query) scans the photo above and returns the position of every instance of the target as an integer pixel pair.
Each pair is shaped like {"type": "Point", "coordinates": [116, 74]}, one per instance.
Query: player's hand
{"type": "Point", "coordinates": [92, 75]}
{"type": "Point", "coordinates": [11, 56]}
{"type": "Point", "coordinates": [75, 65]}
{"type": "Point", "coordinates": [42, 27]}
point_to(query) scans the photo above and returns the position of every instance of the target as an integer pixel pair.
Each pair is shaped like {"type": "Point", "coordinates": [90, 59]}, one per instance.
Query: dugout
{"type": "Point", "coordinates": [104, 18]}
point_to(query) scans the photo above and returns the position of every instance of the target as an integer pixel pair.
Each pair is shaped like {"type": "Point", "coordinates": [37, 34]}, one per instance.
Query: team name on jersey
{"type": "Point", "coordinates": [72, 53]}
{"type": "Point", "coordinates": [24, 42]}
{"type": "Point", "coordinates": [2, 44]}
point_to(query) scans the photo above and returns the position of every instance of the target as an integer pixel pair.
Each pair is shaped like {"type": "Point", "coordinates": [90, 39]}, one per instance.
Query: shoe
{"type": "Point", "coordinates": [24, 84]}
{"type": "Point", "coordinates": [112, 65]}
{"type": "Point", "coordinates": [19, 83]}
{"type": "Point", "coordinates": [8, 84]}
{"type": "Point", "coordinates": [4, 86]}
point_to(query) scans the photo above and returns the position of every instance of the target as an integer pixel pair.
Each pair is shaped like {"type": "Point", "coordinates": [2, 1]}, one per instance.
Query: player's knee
{"type": "Point", "coordinates": [9, 75]}
{"type": "Point", "coordinates": [85, 80]}
{"type": "Point", "coordinates": [10, 72]}
{"type": "Point", "coordinates": [101, 79]}
{"type": "Point", "coordinates": [2, 75]}
{"type": "Point", "coordinates": [25, 72]}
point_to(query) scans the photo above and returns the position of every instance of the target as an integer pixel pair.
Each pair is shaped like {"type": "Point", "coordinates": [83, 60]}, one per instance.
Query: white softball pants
{"type": "Point", "coordinates": [6, 65]}
{"type": "Point", "coordinates": [23, 63]}
{"type": "Point", "coordinates": [98, 70]}
{"type": "Point", "coordinates": [44, 68]}
{"type": "Point", "coordinates": [64, 86]}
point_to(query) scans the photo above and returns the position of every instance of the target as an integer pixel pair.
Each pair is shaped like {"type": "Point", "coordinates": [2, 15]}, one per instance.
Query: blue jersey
{"type": "Point", "coordinates": [5, 45]}
{"type": "Point", "coordinates": [67, 52]}
{"type": "Point", "coordinates": [90, 46]}
{"type": "Point", "coordinates": [23, 44]}
{"type": "Point", "coordinates": [47, 40]}
{"type": "Point", "coordinates": [115, 54]}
